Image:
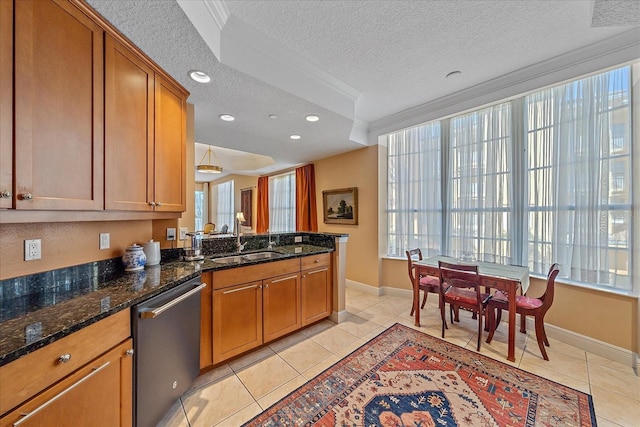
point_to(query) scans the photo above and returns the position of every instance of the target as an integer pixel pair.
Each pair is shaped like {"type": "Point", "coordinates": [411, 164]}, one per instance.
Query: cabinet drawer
{"type": "Point", "coordinates": [23, 378]}
{"type": "Point", "coordinates": [313, 261]}
{"type": "Point", "coordinates": [250, 273]}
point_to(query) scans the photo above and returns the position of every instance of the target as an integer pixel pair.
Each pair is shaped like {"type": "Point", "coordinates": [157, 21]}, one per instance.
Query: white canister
{"type": "Point", "coordinates": [134, 258]}
{"type": "Point", "coordinates": [152, 251]}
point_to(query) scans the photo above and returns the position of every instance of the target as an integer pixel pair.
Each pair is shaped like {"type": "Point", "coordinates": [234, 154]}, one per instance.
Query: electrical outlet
{"type": "Point", "coordinates": [32, 249]}
{"type": "Point", "coordinates": [171, 234]}
{"type": "Point", "coordinates": [297, 239]}
{"type": "Point", "coordinates": [183, 233]}
{"type": "Point", "coordinates": [105, 240]}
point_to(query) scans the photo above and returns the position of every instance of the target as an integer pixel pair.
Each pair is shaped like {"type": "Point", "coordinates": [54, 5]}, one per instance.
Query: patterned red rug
{"type": "Point", "coordinates": [404, 377]}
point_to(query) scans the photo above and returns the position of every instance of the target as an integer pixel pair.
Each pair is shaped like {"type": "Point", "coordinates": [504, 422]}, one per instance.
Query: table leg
{"type": "Point", "coordinates": [512, 326]}
{"type": "Point", "coordinates": [416, 295]}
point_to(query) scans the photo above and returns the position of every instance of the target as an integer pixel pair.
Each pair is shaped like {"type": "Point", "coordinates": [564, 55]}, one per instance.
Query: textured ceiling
{"type": "Point", "coordinates": [394, 54]}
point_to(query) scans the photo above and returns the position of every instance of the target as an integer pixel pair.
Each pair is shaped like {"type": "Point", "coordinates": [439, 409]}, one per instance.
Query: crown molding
{"type": "Point", "coordinates": [616, 50]}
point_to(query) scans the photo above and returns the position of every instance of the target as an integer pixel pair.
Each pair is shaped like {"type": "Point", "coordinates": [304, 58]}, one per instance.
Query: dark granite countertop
{"type": "Point", "coordinates": [69, 308]}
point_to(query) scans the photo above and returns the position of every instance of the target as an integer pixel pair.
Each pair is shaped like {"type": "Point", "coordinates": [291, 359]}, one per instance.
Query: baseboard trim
{"type": "Point", "coordinates": [600, 348]}
{"type": "Point", "coordinates": [339, 316]}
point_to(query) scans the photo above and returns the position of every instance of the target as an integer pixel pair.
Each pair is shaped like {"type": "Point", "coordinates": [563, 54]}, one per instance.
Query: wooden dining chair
{"type": "Point", "coordinates": [427, 283]}
{"type": "Point", "coordinates": [460, 287]}
{"type": "Point", "coordinates": [209, 228]}
{"type": "Point", "coordinates": [526, 306]}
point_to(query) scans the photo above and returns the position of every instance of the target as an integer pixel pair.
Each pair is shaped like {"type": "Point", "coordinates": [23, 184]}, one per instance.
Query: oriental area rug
{"type": "Point", "coordinates": [404, 377]}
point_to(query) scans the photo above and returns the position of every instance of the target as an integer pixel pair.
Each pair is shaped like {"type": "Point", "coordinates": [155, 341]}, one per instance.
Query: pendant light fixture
{"type": "Point", "coordinates": [209, 167]}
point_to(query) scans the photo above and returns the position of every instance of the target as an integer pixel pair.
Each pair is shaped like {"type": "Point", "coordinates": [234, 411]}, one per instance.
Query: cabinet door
{"type": "Point", "coordinates": [98, 394]}
{"type": "Point", "coordinates": [6, 103]}
{"type": "Point", "coordinates": [170, 147]}
{"type": "Point", "coordinates": [281, 305]}
{"type": "Point", "coordinates": [237, 320]}
{"type": "Point", "coordinates": [129, 95]}
{"type": "Point", "coordinates": [206, 322]}
{"type": "Point", "coordinates": [316, 295]}
{"type": "Point", "coordinates": [59, 108]}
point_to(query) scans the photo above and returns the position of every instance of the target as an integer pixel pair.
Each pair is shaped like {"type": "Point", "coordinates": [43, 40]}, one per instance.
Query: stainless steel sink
{"type": "Point", "coordinates": [262, 255]}
{"type": "Point", "coordinates": [235, 259]}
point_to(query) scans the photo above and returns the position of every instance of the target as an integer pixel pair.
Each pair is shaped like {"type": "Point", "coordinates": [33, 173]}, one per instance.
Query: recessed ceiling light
{"type": "Point", "coordinates": [273, 116]}
{"type": "Point", "coordinates": [199, 76]}
{"type": "Point", "coordinates": [227, 117]}
{"type": "Point", "coordinates": [312, 118]}
{"type": "Point", "coordinates": [453, 74]}
{"type": "Point", "coordinates": [294, 136]}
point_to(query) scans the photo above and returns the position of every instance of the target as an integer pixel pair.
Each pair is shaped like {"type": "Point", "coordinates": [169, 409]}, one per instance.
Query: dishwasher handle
{"type": "Point", "coordinates": [157, 311]}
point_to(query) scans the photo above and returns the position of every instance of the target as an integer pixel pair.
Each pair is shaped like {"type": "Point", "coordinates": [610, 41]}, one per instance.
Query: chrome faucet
{"type": "Point", "coordinates": [270, 243]}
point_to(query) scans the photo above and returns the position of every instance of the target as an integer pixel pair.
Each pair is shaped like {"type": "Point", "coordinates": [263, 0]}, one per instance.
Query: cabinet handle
{"type": "Point", "coordinates": [5, 194]}
{"type": "Point", "coordinates": [158, 204]}
{"type": "Point", "coordinates": [64, 358]}
{"type": "Point", "coordinates": [158, 311]}
{"type": "Point", "coordinates": [59, 395]}
{"type": "Point", "coordinates": [129, 352]}
{"type": "Point", "coordinates": [316, 261]}
{"type": "Point", "coordinates": [318, 271]}
{"type": "Point", "coordinates": [26, 196]}
{"type": "Point", "coordinates": [283, 279]}
{"type": "Point", "coordinates": [152, 203]}
{"type": "Point", "coordinates": [240, 289]}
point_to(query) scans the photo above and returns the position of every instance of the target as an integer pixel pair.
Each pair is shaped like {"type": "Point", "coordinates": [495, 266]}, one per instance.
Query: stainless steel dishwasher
{"type": "Point", "coordinates": [166, 334]}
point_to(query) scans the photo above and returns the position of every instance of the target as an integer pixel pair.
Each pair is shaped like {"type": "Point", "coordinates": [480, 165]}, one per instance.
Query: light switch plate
{"type": "Point", "coordinates": [105, 240]}
{"type": "Point", "coordinates": [171, 234]}
{"type": "Point", "coordinates": [183, 233]}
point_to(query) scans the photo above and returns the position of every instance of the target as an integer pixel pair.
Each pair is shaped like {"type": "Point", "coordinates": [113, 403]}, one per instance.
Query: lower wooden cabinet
{"type": "Point", "coordinates": [98, 394]}
{"type": "Point", "coordinates": [237, 320]}
{"type": "Point", "coordinates": [316, 295]}
{"type": "Point", "coordinates": [281, 306]}
{"type": "Point", "coordinates": [206, 321]}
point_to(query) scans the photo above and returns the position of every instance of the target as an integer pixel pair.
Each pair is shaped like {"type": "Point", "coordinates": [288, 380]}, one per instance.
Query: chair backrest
{"type": "Point", "coordinates": [410, 254]}
{"type": "Point", "coordinates": [547, 297]}
{"type": "Point", "coordinates": [209, 227]}
{"type": "Point", "coordinates": [459, 276]}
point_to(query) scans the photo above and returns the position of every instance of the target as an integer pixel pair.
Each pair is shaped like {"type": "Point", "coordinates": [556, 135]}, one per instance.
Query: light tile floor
{"type": "Point", "coordinates": [235, 392]}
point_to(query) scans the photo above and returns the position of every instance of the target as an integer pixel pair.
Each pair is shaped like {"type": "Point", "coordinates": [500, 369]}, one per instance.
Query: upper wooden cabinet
{"type": "Point", "coordinates": [59, 83]}
{"type": "Point", "coordinates": [170, 146]}
{"type": "Point", "coordinates": [145, 125]}
{"type": "Point", "coordinates": [129, 113]}
{"type": "Point", "coordinates": [88, 121]}
{"type": "Point", "coordinates": [6, 103]}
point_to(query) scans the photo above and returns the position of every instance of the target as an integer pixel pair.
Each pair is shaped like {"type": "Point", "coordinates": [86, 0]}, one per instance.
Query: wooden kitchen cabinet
{"type": "Point", "coordinates": [316, 288]}
{"type": "Point", "coordinates": [98, 394]}
{"type": "Point", "coordinates": [281, 306]}
{"type": "Point", "coordinates": [6, 104]}
{"type": "Point", "coordinates": [145, 125]}
{"type": "Point", "coordinates": [129, 116]}
{"type": "Point", "coordinates": [237, 320]}
{"type": "Point", "coordinates": [58, 107]}
{"type": "Point", "coordinates": [170, 146]}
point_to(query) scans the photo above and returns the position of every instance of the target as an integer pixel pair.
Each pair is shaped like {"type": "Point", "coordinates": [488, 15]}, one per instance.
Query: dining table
{"type": "Point", "coordinates": [509, 279]}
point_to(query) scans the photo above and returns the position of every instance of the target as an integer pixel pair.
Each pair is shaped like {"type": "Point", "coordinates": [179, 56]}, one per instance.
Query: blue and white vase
{"type": "Point", "coordinates": [134, 258]}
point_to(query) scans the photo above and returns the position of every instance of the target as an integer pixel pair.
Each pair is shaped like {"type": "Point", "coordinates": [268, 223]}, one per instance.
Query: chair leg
{"type": "Point", "coordinates": [523, 323]}
{"type": "Point", "coordinates": [443, 316]}
{"type": "Point", "coordinates": [540, 336]}
{"type": "Point", "coordinates": [492, 326]}
{"type": "Point", "coordinates": [480, 316]}
{"type": "Point", "coordinates": [424, 300]}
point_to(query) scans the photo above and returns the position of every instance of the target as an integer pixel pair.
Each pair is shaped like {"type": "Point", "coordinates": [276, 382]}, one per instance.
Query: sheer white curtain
{"type": "Point", "coordinates": [225, 213]}
{"type": "Point", "coordinates": [579, 179]}
{"type": "Point", "coordinates": [479, 190]}
{"type": "Point", "coordinates": [414, 190]}
{"type": "Point", "coordinates": [282, 203]}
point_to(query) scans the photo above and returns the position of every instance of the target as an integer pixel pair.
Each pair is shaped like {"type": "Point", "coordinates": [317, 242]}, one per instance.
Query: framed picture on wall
{"type": "Point", "coordinates": [245, 206]}
{"type": "Point", "coordinates": [340, 206]}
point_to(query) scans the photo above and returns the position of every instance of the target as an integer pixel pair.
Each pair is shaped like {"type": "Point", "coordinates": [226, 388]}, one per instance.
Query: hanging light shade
{"type": "Point", "coordinates": [208, 167]}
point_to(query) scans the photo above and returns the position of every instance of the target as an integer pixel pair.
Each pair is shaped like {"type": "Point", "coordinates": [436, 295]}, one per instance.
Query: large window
{"type": "Point", "coordinates": [540, 179]}
{"type": "Point", "coordinates": [225, 214]}
{"type": "Point", "coordinates": [282, 203]}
